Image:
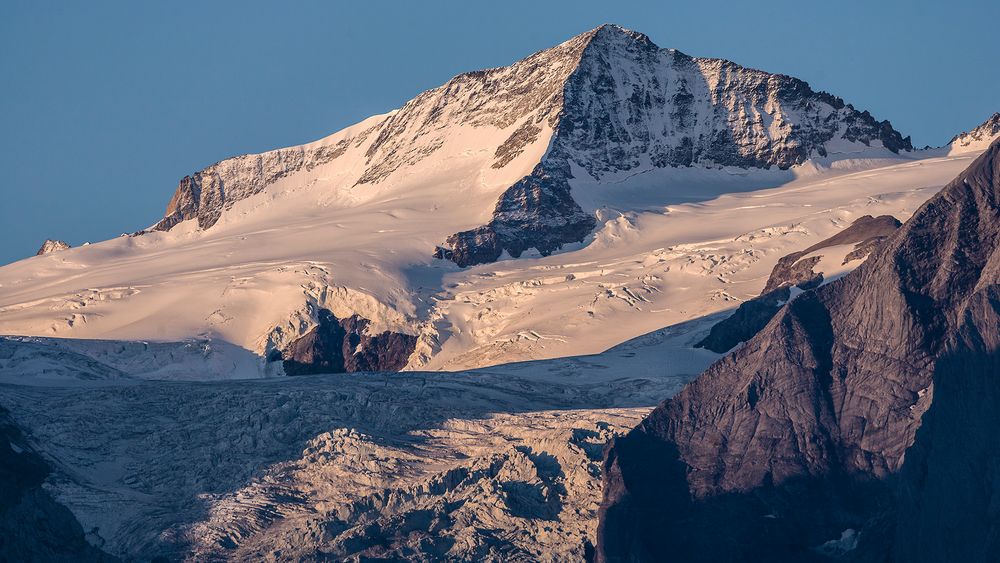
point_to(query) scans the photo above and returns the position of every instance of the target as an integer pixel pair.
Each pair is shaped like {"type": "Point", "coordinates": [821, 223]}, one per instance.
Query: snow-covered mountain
{"type": "Point", "coordinates": [568, 149]}
{"type": "Point", "coordinates": [606, 102]}
{"type": "Point", "coordinates": [646, 195]}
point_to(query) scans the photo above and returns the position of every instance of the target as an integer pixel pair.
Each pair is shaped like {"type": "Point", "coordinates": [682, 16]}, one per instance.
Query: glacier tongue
{"type": "Point", "coordinates": [485, 465]}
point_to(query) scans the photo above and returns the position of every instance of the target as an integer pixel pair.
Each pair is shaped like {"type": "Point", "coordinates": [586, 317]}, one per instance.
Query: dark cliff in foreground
{"type": "Point", "coordinates": [859, 424]}
{"type": "Point", "coordinates": [33, 526]}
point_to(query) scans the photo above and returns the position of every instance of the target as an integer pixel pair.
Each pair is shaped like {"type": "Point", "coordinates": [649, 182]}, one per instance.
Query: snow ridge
{"type": "Point", "coordinates": [979, 138]}
{"type": "Point", "coordinates": [630, 105]}
{"type": "Point", "coordinates": [522, 97]}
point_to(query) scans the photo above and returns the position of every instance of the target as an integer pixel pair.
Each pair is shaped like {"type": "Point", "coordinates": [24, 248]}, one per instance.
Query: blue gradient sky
{"type": "Point", "coordinates": [105, 105]}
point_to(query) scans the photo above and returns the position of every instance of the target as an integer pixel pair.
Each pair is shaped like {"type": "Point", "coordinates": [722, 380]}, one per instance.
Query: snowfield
{"type": "Point", "coordinates": [641, 270]}
{"type": "Point", "coordinates": [253, 246]}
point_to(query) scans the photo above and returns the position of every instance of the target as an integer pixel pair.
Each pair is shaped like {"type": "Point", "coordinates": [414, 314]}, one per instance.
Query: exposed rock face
{"type": "Point", "coordinates": [629, 100]}
{"type": "Point", "coordinates": [33, 526]}
{"type": "Point", "coordinates": [979, 138]}
{"type": "Point", "coordinates": [607, 101]}
{"type": "Point", "coordinates": [629, 103]}
{"type": "Point", "coordinates": [751, 316]}
{"type": "Point", "coordinates": [205, 194]}
{"type": "Point", "coordinates": [343, 345]}
{"type": "Point", "coordinates": [796, 270]}
{"type": "Point", "coordinates": [52, 245]}
{"type": "Point", "coordinates": [866, 233]}
{"type": "Point", "coordinates": [800, 434]}
{"type": "Point", "coordinates": [945, 496]}
{"type": "Point", "coordinates": [537, 212]}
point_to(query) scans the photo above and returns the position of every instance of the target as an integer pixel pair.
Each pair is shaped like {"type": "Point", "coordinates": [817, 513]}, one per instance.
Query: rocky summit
{"type": "Point", "coordinates": [606, 102]}
{"type": "Point", "coordinates": [50, 246]}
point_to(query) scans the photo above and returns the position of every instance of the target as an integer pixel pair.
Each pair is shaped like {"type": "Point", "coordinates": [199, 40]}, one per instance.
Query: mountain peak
{"type": "Point", "coordinates": [52, 245]}
{"type": "Point", "coordinates": [977, 139]}
{"type": "Point", "coordinates": [613, 32]}
{"type": "Point", "coordinates": [608, 101]}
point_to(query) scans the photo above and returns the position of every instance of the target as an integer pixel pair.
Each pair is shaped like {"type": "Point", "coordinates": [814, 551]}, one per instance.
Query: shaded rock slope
{"type": "Point", "coordinates": [797, 270]}
{"type": "Point", "coordinates": [33, 526]}
{"type": "Point", "coordinates": [860, 422]}
{"type": "Point", "coordinates": [344, 345]}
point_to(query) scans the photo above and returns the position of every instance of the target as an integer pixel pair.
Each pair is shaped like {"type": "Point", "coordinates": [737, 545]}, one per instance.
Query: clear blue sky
{"type": "Point", "coordinates": [104, 106]}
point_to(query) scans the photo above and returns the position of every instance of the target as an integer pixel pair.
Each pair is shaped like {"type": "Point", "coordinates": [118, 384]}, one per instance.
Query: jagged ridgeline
{"type": "Point", "coordinates": [605, 102]}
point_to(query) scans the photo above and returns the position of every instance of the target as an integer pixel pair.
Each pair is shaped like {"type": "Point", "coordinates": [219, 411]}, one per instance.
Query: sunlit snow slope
{"type": "Point", "coordinates": [978, 139]}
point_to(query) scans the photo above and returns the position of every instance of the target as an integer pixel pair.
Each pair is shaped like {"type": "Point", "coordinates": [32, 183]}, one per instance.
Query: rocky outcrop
{"type": "Point", "coordinates": [33, 526]}
{"type": "Point", "coordinates": [344, 345]}
{"type": "Point", "coordinates": [52, 245]}
{"type": "Point", "coordinates": [748, 319]}
{"type": "Point", "coordinates": [979, 138]}
{"type": "Point", "coordinates": [204, 195]}
{"type": "Point", "coordinates": [796, 270]}
{"type": "Point", "coordinates": [865, 405]}
{"type": "Point", "coordinates": [538, 212]}
{"type": "Point", "coordinates": [866, 233]}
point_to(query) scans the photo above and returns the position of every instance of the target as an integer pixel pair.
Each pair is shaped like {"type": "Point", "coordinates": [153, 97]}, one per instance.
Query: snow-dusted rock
{"type": "Point", "coordinates": [51, 245]}
{"type": "Point", "coordinates": [978, 139]}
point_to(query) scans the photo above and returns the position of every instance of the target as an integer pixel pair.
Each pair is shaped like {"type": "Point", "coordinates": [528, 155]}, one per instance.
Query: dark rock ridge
{"type": "Point", "coordinates": [866, 233]}
{"type": "Point", "coordinates": [537, 212]}
{"type": "Point", "coordinates": [33, 526]}
{"type": "Point", "coordinates": [52, 245]}
{"type": "Point", "coordinates": [343, 345]}
{"type": "Point", "coordinates": [748, 319]}
{"type": "Point", "coordinates": [628, 102]}
{"type": "Point", "coordinates": [868, 404]}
